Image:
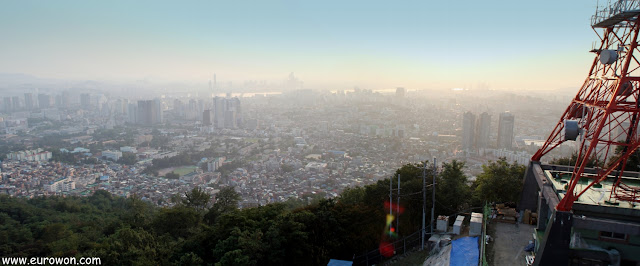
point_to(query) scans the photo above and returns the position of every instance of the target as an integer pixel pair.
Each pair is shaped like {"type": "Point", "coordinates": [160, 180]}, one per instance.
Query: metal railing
{"type": "Point", "coordinates": [400, 247]}
{"type": "Point", "coordinates": [483, 249]}
{"type": "Point", "coordinates": [414, 242]}
{"type": "Point", "coordinates": [614, 8]}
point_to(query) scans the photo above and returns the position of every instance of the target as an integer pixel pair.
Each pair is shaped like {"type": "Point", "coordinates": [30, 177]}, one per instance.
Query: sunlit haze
{"type": "Point", "coordinates": [503, 45]}
{"type": "Point", "coordinates": [319, 132]}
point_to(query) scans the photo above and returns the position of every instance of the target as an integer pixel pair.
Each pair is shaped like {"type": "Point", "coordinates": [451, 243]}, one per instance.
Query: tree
{"type": "Point", "coordinates": [197, 199]}
{"type": "Point", "coordinates": [226, 201]}
{"type": "Point", "coordinates": [130, 247]}
{"type": "Point", "coordinates": [633, 162]}
{"type": "Point", "coordinates": [139, 212]}
{"type": "Point", "coordinates": [190, 259]}
{"type": "Point", "coordinates": [158, 140]}
{"type": "Point", "coordinates": [411, 196]}
{"type": "Point", "coordinates": [172, 175]}
{"type": "Point", "coordinates": [131, 231]}
{"type": "Point", "coordinates": [178, 221]}
{"type": "Point", "coordinates": [127, 158]}
{"type": "Point", "coordinates": [353, 195]}
{"type": "Point", "coordinates": [228, 167]}
{"type": "Point", "coordinates": [63, 157]}
{"type": "Point", "coordinates": [453, 192]}
{"type": "Point", "coordinates": [150, 170]}
{"type": "Point", "coordinates": [286, 168]}
{"type": "Point", "coordinates": [499, 182]}
{"type": "Point", "coordinates": [90, 160]}
{"type": "Point", "coordinates": [571, 161]}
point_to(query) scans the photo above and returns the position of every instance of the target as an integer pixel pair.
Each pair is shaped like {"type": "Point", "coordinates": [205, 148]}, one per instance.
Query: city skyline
{"type": "Point", "coordinates": [328, 45]}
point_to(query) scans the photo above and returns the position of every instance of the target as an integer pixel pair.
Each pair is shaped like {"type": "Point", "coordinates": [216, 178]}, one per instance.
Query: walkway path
{"type": "Point", "coordinates": [509, 242]}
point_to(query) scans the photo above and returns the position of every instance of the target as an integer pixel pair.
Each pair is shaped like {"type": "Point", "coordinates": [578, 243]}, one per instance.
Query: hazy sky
{"type": "Point", "coordinates": [371, 44]}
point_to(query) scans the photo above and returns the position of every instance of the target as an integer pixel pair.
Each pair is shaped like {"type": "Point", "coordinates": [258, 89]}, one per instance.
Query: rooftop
{"type": "Point", "coordinates": [615, 13]}
{"type": "Point", "coordinates": [598, 197]}
{"type": "Point", "coordinates": [616, 19]}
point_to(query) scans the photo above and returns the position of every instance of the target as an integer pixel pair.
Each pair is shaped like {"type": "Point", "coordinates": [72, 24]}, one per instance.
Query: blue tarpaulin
{"type": "Point", "coordinates": [333, 262]}
{"type": "Point", "coordinates": [464, 251]}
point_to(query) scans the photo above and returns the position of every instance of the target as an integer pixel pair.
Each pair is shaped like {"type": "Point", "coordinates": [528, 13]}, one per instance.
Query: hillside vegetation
{"type": "Point", "coordinates": [130, 231]}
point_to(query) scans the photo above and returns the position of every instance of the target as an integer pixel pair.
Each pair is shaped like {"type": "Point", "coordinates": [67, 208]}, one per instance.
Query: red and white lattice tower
{"type": "Point", "coordinates": [603, 116]}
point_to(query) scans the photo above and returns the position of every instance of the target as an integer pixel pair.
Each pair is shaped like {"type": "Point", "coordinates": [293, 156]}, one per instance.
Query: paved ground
{"type": "Point", "coordinates": [509, 242]}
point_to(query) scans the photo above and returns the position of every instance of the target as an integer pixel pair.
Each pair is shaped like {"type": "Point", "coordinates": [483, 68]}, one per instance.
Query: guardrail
{"type": "Point", "coordinates": [401, 247]}
{"type": "Point", "coordinates": [483, 240]}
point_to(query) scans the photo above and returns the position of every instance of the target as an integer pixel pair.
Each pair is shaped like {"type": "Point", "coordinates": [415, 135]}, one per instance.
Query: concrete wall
{"type": "Point", "coordinates": [628, 251]}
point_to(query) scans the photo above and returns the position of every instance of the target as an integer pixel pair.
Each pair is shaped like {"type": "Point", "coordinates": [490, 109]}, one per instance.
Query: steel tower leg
{"type": "Point", "coordinates": [554, 247]}
{"type": "Point", "coordinates": [606, 110]}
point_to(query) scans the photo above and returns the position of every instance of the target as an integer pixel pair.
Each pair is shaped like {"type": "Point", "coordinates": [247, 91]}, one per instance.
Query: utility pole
{"type": "Point", "coordinates": [391, 195]}
{"type": "Point", "coordinates": [433, 207]}
{"type": "Point", "coordinates": [424, 200]}
{"type": "Point", "coordinates": [398, 211]}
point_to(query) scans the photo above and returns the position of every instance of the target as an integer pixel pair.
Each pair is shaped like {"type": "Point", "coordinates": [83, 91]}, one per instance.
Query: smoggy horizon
{"type": "Point", "coordinates": [327, 45]}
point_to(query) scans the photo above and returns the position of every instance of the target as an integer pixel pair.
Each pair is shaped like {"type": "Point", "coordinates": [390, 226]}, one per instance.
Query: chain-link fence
{"type": "Point", "coordinates": [399, 247]}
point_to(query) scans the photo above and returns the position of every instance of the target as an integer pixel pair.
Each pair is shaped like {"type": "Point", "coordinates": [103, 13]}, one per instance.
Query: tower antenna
{"type": "Point", "coordinates": [604, 116]}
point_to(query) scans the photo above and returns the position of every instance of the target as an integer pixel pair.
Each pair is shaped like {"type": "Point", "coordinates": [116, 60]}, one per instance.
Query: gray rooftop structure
{"type": "Point", "coordinates": [598, 228]}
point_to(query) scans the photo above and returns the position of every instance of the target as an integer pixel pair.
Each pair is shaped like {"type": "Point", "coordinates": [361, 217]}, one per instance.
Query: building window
{"type": "Point", "coordinates": [613, 237]}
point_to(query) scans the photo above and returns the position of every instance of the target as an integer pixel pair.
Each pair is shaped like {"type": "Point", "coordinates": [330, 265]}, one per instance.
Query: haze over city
{"type": "Point", "coordinates": [504, 45]}
{"type": "Point", "coordinates": [319, 133]}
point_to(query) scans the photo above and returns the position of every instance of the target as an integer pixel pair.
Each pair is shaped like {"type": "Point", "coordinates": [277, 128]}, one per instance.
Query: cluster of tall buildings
{"type": "Point", "coordinates": [476, 132]}
{"type": "Point", "coordinates": [191, 110]}
{"type": "Point", "coordinates": [227, 113]}
{"type": "Point", "coordinates": [149, 112]}
{"type": "Point", "coordinates": [146, 112]}
{"type": "Point", "coordinates": [219, 112]}
{"type": "Point", "coordinates": [505, 130]}
{"type": "Point", "coordinates": [31, 102]}
{"type": "Point", "coordinates": [64, 100]}
{"type": "Point", "coordinates": [85, 100]}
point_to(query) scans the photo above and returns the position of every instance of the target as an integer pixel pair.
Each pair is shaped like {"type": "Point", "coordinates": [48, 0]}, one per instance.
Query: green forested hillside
{"type": "Point", "coordinates": [129, 231]}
